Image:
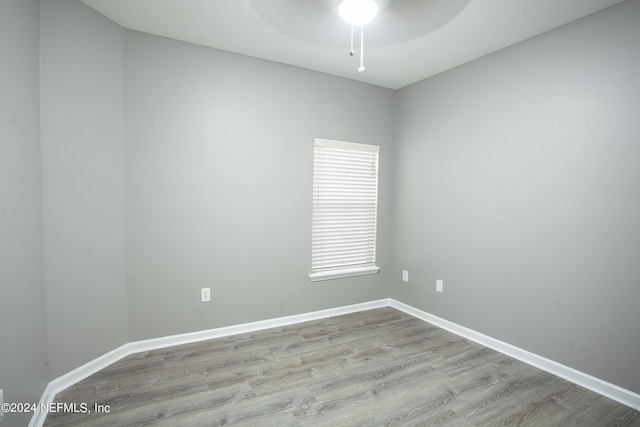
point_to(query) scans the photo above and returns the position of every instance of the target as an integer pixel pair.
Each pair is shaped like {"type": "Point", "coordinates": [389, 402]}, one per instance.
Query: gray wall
{"type": "Point", "coordinates": [83, 183]}
{"type": "Point", "coordinates": [23, 352]}
{"type": "Point", "coordinates": [518, 184]}
{"type": "Point", "coordinates": [219, 172]}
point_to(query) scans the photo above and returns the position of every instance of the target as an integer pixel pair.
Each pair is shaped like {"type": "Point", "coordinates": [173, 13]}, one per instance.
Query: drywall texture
{"type": "Point", "coordinates": [83, 183]}
{"type": "Point", "coordinates": [23, 351]}
{"type": "Point", "coordinates": [219, 178]}
{"type": "Point", "coordinates": [518, 184]}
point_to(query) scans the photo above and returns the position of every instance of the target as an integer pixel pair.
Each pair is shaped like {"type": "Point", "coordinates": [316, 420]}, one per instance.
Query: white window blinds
{"type": "Point", "coordinates": [345, 205]}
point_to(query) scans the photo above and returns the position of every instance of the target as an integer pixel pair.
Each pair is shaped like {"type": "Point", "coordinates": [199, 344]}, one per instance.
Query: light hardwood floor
{"type": "Point", "coordinates": [373, 368]}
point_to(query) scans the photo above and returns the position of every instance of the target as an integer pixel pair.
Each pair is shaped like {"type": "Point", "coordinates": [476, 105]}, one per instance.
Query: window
{"type": "Point", "coordinates": [345, 206]}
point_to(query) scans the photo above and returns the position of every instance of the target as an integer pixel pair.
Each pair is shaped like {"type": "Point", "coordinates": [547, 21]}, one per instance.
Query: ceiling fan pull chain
{"type": "Point", "coordinates": [361, 69]}
{"type": "Point", "coordinates": [351, 52]}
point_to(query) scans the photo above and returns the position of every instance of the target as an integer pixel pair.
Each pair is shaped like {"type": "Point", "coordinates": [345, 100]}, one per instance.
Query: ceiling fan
{"type": "Point", "coordinates": [328, 22]}
{"type": "Point", "coordinates": [358, 13]}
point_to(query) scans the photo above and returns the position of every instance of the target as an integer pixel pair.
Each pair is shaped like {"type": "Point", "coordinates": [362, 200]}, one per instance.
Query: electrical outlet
{"type": "Point", "coordinates": [405, 276]}
{"type": "Point", "coordinates": [205, 294]}
{"type": "Point", "coordinates": [439, 285]}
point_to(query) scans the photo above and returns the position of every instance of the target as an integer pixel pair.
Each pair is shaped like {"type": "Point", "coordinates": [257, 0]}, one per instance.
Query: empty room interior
{"type": "Point", "coordinates": [139, 167]}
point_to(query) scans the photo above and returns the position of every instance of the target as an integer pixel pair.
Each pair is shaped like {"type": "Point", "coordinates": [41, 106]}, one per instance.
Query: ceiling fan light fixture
{"type": "Point", "coordinates": [358, 12]}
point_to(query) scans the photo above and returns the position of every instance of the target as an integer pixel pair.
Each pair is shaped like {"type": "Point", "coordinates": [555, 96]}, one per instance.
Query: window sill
{"type": "Point", "coordinates": [343, 272]}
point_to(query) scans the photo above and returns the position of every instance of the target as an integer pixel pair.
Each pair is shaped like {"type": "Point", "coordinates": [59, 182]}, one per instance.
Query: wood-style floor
{"type": "Point", "coordinates": [373, 368]}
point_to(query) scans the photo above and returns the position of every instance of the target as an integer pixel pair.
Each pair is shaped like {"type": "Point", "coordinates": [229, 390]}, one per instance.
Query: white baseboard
{"type": "Point", "coordinates": [67, 380]}
{"type": "Point", "coordinates": [597, 385]}
{"type": "Point", "coordinates": [612, 391]}
{"type": "Point", "coordinates": [70, 378]}
{"type": "Point", "coordinates": [155, 343]}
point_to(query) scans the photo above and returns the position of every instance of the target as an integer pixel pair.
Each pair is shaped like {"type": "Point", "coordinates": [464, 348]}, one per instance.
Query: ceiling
{"type": "Point", "coordinates": [408, 41]}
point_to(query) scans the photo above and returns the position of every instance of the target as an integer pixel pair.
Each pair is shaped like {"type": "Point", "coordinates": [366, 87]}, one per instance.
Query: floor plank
{"type": "Point", "coordinates": [378, 367]}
